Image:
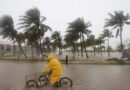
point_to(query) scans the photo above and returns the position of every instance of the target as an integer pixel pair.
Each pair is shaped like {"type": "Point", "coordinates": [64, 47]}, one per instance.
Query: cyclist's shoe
{"type": "Point", "coordinates": [56, 85]}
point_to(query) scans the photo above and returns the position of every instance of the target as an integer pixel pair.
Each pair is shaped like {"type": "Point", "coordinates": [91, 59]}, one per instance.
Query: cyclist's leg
{"type": "Point", "coordinates": [54, 80]}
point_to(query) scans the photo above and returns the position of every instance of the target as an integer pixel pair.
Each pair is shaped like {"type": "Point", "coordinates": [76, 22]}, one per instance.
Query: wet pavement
{"type": "Point", "coordinates": [85, 77]}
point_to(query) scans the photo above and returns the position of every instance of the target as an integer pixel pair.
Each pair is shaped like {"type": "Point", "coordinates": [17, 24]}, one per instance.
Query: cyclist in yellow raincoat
{"type": "Point", "coordinates": [55, 68]}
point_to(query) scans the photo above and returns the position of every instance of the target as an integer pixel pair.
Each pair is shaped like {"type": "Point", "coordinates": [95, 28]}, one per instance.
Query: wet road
{"type": "Point", "coordinates": [85, 77]}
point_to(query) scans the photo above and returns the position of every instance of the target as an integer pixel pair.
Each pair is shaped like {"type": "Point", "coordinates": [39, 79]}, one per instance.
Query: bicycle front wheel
{"type": "Point", "coordinates": [43, 80]}
{"type": "Point", "coordinates": [65, 81]}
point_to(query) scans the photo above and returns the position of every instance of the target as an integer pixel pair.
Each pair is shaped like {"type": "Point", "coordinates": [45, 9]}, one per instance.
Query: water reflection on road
{"type": "Point", "coordinates": [85, 77]}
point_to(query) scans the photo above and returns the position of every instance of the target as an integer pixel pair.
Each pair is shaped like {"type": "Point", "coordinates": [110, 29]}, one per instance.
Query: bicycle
{"type": "Point", "coordinates": [43, 80]}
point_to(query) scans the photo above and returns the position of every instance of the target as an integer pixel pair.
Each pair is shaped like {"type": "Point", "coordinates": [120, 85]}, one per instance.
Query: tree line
{"type": "Point", "coordinates": [78, 37]}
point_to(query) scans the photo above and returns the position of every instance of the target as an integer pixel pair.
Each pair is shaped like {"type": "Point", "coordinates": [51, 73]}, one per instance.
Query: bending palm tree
{"type": "Point", "coordinates": [57, 40]}
{"type": "Point", "coordinates": [32, 22]}
{"type": "Point", "coordinates": [7, 30]}
{"type": "Point", "coordinates": [99, 42]}
{"type": "Point", "coordinates": [80, 27]}
{"type": "Point", "coordinates": [91, 42]}
{"type": "Point", "coordinates": [47, 43]}
{"type": "Point", "coordinates": [71, 41]}
{"type": "Point", "coordinates": [21, 39]}
{"type": "Point", "coordinates": [108, 34]}
{"type": "Point", "coordinates": [117, 21]}
{"type": "Point", "coordinates": [30, 41]}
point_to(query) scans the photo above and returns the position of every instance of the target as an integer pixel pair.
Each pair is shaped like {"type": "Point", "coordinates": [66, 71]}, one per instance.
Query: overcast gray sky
{"type": "Point", "coordinates": [60, 12]}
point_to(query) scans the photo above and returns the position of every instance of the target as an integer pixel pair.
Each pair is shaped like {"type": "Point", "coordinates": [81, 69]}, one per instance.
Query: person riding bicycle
{"type": "Point", "coordinates": [54, 68]}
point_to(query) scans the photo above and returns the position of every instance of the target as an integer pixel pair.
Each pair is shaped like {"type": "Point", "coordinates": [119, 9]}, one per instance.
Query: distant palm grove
{"type": "Point", "coordinates": [78, 38]}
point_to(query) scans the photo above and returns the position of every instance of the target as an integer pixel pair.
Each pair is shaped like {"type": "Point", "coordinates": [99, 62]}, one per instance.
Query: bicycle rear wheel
{"type": "Point", "coordinates": [31, 83]}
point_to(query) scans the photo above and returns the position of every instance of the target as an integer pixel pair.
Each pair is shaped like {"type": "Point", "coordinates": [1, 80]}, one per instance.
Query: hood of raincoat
{"type": "Point", "coordinates": [51, 56]}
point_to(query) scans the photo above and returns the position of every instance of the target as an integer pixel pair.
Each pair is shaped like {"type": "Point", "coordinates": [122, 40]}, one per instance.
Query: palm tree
{"type": "Point", "coordinates": [32, 42]}
{"type": "Point", "coordinates": [107, 34]}
{"type": "Point", "coordinates": [117, 21]}
{"type": "Point", "coordinates": [32, 21]}
{"type": "Point", "coordinates": [20, 38]}
{"type": "Point", "coordinates": [71, 41]}
{"type": "Point", "coordinates": [99, 41]}
{"type": "Point", "coordinates": [80, 27]}
{"type": "Point", "coordinates": [47, 44]}
{"type": "Point", "coordinates": [57, 40]}
{"type": "Point", "coordinates": [91, 42]}
{"type": "Point", "coordinates": [14, 41]}
{"type": "Point", "coordinates": [7, 30]}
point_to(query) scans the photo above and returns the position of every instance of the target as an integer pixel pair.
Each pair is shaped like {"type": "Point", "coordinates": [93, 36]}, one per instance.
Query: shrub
{"type": "Point", "coordinates": [113, 59]}
{"type": "Point", "coordinates": [117, 60]}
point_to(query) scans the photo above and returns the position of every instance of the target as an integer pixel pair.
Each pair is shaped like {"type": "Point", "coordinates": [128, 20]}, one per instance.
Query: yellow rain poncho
{"type": "Point", "coordinates": [54, 67]}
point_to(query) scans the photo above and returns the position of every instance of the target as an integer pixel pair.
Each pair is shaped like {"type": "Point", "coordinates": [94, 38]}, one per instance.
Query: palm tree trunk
{"type": "Point", "coordinates": [94, 50]}
{"type": "Point", "coordinates": [73, 57]}
{"type": "Point", "coordinates": [14, 48]}
{"type": "Point", "coordinates": [91, 50]}
{"type": "Point", "coordinates": [121, 39]}
{"type": "Point", "coordinates": [46, 49]}
{"type": "Point", "coordinates": [101, 49]}
{"type": "Point", "coordinates": [84, 46]}
{"type": "Point", "coordinates": [73, 51]}
{"type": "Point", "coordinates": [38, 53]}
{"type": "Point", "coordinates": [18, 53]}
{"type": "Point", "coordinates": [59, 50]}
{"type": "Point", "coordinates": [41, 49]}
{"type": "Point", "coordinates": [81, 49]}
{"type": "Point", "coordinates": [81, 45]}
{"type": "Point", "coordinates": [54, 48]}
{"type": "Point", "coordinates": [108, 48]}
{"type": "Point", "coordinates": [32, 51]}
{"type": "Point", "coordinates": [77, 48]}
{"type": "Point", "coordinates": [98, 48]}
{"type": "Point", "coordinates": [21, 48]}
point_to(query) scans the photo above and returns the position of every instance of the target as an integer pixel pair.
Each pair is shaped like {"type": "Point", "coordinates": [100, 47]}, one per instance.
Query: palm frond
{"type": "Point", "coordinates": [128, 23]}
{"type": "Point", "coordinates": [42, 19]}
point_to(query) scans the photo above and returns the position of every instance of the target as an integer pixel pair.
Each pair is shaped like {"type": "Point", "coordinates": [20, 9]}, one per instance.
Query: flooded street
{"type": "Point", "coordinates": [85, 77]}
